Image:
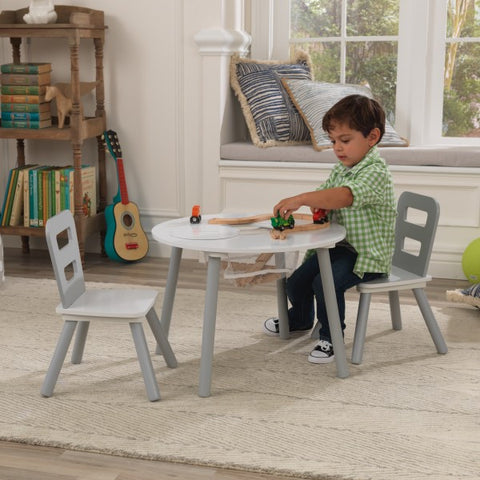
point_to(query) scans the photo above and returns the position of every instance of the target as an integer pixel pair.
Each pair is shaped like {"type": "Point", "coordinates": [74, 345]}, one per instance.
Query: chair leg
{"type": "Point", "coordinates": [58, 358]}
{"type": "Point", "coordinates": [315, 334]}
{"type": "Point", "coordinates": [361, 327]}
{"type": "Point", "coordinates": [162, 341]}
{"type": "Point", "coordinates": [429, 318]}
{"type": "Point", "coordinates": [79, 344]}
{"type": "Point", "coordinates": [395, 314]}
{"type": "Point", "coordinates": [146, 366]}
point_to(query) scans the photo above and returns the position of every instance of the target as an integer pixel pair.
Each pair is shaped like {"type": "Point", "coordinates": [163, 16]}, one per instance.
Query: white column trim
{"type": "Point", "coordinates": [219, 41]}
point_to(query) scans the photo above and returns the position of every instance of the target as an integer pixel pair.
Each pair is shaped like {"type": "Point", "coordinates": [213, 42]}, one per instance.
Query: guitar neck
{"type": "Point", "coordinates": [121, 181]}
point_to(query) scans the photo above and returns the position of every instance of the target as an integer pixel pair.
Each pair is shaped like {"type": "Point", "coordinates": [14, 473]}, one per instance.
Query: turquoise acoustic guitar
{"type": "Point", "coordinates": [125, 240]}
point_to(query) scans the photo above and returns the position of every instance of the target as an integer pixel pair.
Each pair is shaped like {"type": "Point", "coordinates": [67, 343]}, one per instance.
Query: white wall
{"type": "Point", "coordinates": [154, 83]}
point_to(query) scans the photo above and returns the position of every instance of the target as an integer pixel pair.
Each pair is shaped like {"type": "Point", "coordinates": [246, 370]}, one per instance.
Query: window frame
{"type": "Point", "coordinates": [421, 57]}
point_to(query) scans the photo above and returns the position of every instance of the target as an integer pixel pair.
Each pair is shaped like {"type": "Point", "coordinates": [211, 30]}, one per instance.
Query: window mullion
{"type": "Point", "coordinates": [436, 70]}
{"type": "Point", "coordinates": [412, 86]}
{"type": "Point", "coordinates": [343, 42]}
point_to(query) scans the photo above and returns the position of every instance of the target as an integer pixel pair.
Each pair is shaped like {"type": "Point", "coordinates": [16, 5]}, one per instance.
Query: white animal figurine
{"type": "Point", "coordinates": [41, 11]}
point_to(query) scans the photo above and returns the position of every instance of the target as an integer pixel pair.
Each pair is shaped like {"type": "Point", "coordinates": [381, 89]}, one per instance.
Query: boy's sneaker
{"type": "Point", "coordinates": [271, 327]}
{"type": "Point", "coordinates": [322, 353]}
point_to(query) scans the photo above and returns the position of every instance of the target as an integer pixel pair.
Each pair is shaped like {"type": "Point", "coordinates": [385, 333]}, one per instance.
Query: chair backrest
{"type": "Point", "coordinates": [62, 241]}
{"type": "Point", "coordinates": [423, 234]}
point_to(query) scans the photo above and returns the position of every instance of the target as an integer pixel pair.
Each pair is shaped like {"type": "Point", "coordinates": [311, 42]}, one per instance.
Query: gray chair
{"type": "Point", "coordinates": [409, 271]}
{"type": "Point", "coordinates": [80, 306]}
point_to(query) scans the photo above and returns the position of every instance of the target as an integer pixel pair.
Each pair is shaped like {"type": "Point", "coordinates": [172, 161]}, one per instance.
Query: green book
{"type": "Point", "coordinates": [34, 196]}
{"type": "Point", "coordinates": [32, 124]}
{"type": "Point", "coordinates": [26, 192]}
{"type": "Point", "coordinates": [23, 90]}
{"type": "Point", "coordinates": [30, 67]}
{"type": "Point", "coordinates": [11, 194]}
{"type": "Point", "coordinates": [26, 107]}
{"type": "Point", "coordinates": [5, 198]}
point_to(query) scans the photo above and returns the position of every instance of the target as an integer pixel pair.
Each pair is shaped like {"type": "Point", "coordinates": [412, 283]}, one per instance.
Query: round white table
{"type": "Point", "coordinates": [217, 241]}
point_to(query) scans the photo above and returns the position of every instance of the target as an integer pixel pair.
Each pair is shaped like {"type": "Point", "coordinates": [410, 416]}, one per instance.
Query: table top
{"type": "Point", "coordinates": [240, 238]}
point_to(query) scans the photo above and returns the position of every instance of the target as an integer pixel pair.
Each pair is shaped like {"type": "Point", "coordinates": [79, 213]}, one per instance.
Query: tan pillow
{"type": "Point", "coordinates": [314, 99]}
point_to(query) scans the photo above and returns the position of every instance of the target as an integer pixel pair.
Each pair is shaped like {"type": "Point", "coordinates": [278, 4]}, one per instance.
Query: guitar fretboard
{"type": "Point", "coordinates": [122, 182]}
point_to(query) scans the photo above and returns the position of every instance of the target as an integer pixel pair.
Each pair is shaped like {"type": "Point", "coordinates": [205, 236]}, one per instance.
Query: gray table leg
{"type": "Point", "coordinates": [282, 302]}
{"type": "Point", "coordinates": [170, 289]}
{"type": "Point", "coordinates": [332, 311]}
{"type": "Point", "coordinates": [209, 320]}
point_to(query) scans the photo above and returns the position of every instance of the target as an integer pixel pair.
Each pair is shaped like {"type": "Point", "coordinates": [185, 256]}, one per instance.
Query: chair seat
{"type": "Point", "coordinates": [115, 303]}
{"type": "Point", "coordinates": [398, 279]}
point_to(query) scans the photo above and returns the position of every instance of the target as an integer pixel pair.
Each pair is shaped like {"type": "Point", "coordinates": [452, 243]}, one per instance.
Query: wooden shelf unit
{"type": "Point", "coordinates": [73, 24]}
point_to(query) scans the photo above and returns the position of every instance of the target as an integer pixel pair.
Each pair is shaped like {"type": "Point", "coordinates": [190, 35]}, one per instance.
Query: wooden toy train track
{"type": "Point", "coordinates": [276, 233]}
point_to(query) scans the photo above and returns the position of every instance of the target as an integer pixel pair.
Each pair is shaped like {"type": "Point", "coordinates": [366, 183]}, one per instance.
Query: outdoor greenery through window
{"type": "Point", "coordinates": [461, 104]}
{"type": "Point", "coordinates": [350, 42]}
{"type": "Point", "coordinates": [356, 41]}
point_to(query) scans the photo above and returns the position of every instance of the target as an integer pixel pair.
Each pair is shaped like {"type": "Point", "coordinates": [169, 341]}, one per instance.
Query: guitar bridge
{"type": "Point", "coordinates": [131, 246]}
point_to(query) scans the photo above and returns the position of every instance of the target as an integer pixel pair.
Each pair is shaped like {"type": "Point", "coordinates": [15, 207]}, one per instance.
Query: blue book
{"type": "Point", "coordinates": [25, 116]}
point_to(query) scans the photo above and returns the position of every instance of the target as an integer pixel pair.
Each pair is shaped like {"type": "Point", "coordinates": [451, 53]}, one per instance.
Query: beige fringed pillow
{"type": "Point", "coordinates": [271, 117]}
{"type": "Point", "coordinates": [314, 99]}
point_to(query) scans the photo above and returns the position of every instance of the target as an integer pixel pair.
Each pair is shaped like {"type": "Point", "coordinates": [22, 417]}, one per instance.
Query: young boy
{"type": "Point", "coordinates": [358, 194]}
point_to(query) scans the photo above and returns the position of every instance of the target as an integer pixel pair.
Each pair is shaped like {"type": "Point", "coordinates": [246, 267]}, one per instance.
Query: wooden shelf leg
{"type": "Point", "coordinates": [25, 244]}
{"type": "Point", "coordinates": [16, 42]}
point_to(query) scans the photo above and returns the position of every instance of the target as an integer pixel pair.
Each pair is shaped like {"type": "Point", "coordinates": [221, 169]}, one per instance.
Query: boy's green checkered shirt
{"type": "Point", "coordinates": [370, 220]}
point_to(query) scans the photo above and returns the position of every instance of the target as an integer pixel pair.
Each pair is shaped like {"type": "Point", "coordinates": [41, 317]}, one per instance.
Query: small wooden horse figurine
{"type": "Point", "coordinates": [62, 92]}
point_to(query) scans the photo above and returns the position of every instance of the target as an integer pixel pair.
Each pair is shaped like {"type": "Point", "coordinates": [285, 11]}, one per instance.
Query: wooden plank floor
{"type": "Point", "coordinates": [26, 462]}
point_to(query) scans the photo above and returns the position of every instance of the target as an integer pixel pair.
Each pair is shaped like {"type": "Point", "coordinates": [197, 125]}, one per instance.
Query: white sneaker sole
{"type": "Point", "coordinates": [313, 359]}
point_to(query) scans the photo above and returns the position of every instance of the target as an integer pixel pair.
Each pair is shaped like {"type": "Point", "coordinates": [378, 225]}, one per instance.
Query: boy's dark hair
{"type": "Point", "coordinates": [358, 112]}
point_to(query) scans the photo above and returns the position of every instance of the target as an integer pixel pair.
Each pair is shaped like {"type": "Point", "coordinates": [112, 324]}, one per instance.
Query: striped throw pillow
{"type": "Point", "coordinates": [271, 117]}
{"type": "Point", "coordinates": [314, 99]}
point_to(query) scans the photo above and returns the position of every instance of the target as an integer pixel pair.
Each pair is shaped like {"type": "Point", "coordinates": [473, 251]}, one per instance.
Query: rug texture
{"type": "Point", "coordinates": [405, 413]}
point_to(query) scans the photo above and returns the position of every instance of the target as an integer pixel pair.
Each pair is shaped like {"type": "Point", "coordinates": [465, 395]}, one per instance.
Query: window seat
{"type": "Point", "coordinates": [439, 156]}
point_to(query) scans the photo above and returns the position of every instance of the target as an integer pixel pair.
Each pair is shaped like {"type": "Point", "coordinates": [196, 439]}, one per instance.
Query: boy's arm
{"type": "Point", "coordinates": [328, 199]}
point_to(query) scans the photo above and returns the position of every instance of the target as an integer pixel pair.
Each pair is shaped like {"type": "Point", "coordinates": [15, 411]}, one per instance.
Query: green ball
{"type": "Point", "coordinates": [471, 261]}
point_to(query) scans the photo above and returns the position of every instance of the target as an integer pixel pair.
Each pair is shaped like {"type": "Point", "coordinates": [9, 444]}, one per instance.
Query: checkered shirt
{"type": "Point", "coordinates": [370, 220]}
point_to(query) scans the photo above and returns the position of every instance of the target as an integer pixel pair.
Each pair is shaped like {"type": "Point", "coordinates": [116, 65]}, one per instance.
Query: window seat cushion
{"type": "Point", "coordinates": [439, 155]}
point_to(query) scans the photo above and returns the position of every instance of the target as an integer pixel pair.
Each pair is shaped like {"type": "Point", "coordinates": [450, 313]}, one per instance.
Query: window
{"type": "Point", "coordinates": [349, 43]}
{"type": "Point", "coordinates": [422, 59]}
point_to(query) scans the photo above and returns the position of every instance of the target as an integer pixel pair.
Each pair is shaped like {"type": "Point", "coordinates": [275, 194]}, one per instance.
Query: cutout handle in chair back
{"type": "Point", "coordinates": [62, 241]}
{"type": "Point", "coordinates": [424, 234]}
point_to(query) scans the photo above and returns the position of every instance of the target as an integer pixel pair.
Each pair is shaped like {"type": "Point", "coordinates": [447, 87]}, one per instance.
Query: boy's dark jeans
{"type": "Point", "coordinates": [305, 283]}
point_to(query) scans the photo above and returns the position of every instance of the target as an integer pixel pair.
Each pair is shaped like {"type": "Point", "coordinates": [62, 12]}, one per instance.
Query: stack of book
{"type": "Point", "coordinates": [23, 90]}
{"type": "Point", "coordinates": [35, 193]}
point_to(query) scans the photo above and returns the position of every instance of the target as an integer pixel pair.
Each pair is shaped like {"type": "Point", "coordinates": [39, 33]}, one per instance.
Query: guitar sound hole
{"type": "Point", "coordinates": [127, 220]}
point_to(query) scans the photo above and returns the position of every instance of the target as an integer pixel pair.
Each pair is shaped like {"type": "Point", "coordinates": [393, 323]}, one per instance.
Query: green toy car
{"type": "Point", "coordinates": [280, 223]}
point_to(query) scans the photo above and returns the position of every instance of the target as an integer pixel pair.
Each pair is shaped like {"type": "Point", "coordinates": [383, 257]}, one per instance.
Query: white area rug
{"type": "Point", "coordinates": [405, 413]}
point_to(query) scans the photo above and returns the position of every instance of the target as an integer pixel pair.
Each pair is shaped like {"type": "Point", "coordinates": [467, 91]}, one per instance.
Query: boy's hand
{"type": "Point", "coordinates": [287, 206]}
